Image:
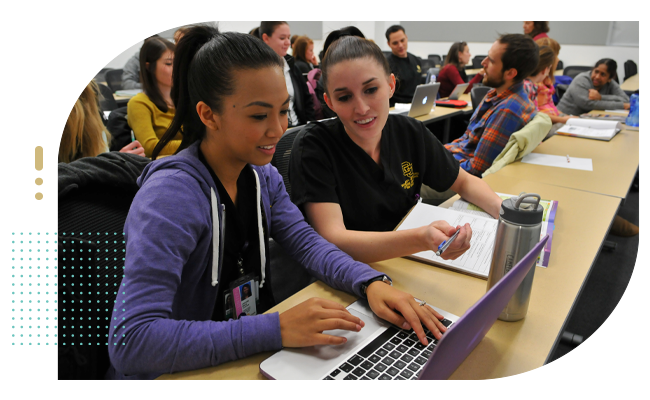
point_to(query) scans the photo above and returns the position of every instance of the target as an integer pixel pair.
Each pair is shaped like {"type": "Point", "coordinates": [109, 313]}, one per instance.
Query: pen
{"type": "Point", "coordinates": [444, 245]}
{"type": "Point", "coordinates": [568, 159]}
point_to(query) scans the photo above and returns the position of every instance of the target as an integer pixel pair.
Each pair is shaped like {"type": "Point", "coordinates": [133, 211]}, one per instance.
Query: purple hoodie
{"type": "Point", "coordinates": [162, 316]}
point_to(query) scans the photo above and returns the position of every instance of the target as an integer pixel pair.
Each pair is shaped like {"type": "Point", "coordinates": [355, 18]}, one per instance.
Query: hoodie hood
{"type": "Point", "coordinates": [188, 161]}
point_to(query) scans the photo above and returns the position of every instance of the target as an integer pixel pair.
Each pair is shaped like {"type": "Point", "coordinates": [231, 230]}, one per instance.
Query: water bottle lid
{"type": "Point", "coordinates": [523, 209]}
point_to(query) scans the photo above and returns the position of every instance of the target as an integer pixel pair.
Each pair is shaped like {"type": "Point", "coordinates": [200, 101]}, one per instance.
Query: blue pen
{"type": "Point", "coordinates": [444, 245]}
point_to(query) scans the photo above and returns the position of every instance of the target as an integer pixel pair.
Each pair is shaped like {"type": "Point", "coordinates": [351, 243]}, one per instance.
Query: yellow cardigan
{"type": "Point", "coordinates": [149, 124]}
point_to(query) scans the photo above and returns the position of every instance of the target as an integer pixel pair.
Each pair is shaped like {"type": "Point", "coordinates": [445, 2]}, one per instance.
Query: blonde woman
{"type": "Point", "coordinates": [80, 129]}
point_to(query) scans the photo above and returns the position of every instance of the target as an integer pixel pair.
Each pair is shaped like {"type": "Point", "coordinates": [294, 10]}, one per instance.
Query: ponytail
{"type": "Point", "coordinates": [204, 63]}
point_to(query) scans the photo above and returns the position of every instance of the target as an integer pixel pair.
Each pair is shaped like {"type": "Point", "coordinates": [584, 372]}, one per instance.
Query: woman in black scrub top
{"type": "Point", "coordinates": [355, 177]}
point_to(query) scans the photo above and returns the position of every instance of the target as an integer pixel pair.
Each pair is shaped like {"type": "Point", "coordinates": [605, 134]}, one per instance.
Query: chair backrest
{"type": "Point", "coordinates": [476, 62]}
{"type": "Point", "coordinates": [630, 69]}
{"type": "Point", "coordinates": [387, 53]}
{"type": "Point", "coordinates": [282, 154]}
{"type": "Point", "coordinates": [560, 65]}
{"type": "Point", "coordinates": [114, 79]}
{"type": "Point", "coordinates": [573, 70]}
{"type": "Point", "coordinates": [477, 94]}
{"type": "Point", "coordinates": [101, 75]}
{"type": "Point", "coordinates": [426, 64]}
{"type": "Point", "coordinates": [91, 223]}
{"type": "Point", "coordinates": [436, 59]}
{"type": "Point", "coordinates": [106, 100]}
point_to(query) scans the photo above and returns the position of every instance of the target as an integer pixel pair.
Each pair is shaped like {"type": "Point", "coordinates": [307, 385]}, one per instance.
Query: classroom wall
{"type": "Point", "coordinates": [577, 53]}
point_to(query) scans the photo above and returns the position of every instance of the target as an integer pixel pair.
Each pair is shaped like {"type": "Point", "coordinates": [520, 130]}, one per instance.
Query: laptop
{"type": "Point", "coordinates": [423, 101]}
{"type": "Point", "coordinates": [384, 352]}
{"type": "Point", "coordinates": [458, 90]}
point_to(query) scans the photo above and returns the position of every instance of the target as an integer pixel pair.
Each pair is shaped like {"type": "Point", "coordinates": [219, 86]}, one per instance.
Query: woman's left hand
{"type": "Point", "coordinates": [594, 94]}
{"type": "Point", "coordinates": [134, 148]}
{"type": "Point", "coordinates": [388, 303]}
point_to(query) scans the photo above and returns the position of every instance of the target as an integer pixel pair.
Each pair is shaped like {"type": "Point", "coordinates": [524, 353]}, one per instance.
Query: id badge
{"type": "Point", "coordinates": [245, 295]}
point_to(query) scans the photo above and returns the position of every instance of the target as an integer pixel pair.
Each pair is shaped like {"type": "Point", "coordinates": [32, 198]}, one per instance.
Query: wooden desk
{"type": "Point", "coordinates": [510, 347]}
{"type": "Point", "coordinates": [631, 84]}
{"type": "Point", "coordinates": [614, 164]}
{"type": "Point", "coordinates": [559, 72]}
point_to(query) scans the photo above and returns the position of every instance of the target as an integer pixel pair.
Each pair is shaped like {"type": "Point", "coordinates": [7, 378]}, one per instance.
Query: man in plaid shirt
{"type": "Point", "coordinates": [505, 109]}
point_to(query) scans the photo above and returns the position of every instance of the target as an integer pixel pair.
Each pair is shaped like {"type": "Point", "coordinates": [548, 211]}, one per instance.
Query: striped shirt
{"type": "Point", "coordinates": [494, 120]}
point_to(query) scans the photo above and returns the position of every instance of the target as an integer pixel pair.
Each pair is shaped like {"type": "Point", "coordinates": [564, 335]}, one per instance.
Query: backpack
{"type": "Point", "coordinates": [312, 82]}
{"type": "Point", "coordinates": [119, 129]}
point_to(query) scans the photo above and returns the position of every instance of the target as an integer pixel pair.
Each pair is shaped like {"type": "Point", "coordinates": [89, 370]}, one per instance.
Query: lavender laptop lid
{"type": "Point", "coordinates": [466, 333]}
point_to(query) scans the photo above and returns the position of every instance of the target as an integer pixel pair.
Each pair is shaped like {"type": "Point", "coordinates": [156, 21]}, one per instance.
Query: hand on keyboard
{"type": "Point", "coordinates": [303, 325]}
{"type": "Point", "coordinates": [385, 300]}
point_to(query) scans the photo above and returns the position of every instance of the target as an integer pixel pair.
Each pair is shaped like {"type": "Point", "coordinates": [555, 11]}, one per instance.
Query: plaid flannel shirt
{"type": "Point", "coordinates": [493, 121]}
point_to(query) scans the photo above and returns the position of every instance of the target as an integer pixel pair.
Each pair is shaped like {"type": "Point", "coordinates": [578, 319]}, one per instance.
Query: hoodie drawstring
{"type": "Point", "coordinates": [259, 228]}
{"type": "Point", "coordinates": [215, 238]}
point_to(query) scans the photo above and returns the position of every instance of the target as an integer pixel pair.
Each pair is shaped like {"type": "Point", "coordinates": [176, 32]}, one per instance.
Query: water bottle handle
{"type": "Point", "coordinates": [527, 195]}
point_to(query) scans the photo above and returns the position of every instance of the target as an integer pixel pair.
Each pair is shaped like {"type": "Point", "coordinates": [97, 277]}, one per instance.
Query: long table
{"type": "Point", "coordinates": [615, 164]}
{"type": "Point", "coordinates": [510, 347]}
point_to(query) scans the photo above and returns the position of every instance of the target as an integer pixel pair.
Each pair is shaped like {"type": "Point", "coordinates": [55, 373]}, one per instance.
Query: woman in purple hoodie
{"type": "Point", "coordinates": [198, 229]}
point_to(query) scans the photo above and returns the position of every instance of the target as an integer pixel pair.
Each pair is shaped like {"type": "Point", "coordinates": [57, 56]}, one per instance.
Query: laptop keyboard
{"type": "Point", "coordinates": [395, 354]}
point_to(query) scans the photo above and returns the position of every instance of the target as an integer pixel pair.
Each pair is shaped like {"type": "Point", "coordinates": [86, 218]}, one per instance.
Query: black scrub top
{"type": "Point", "coordinates": [328, 167]}
{"type": "Point", "coordinates": [241, 238]}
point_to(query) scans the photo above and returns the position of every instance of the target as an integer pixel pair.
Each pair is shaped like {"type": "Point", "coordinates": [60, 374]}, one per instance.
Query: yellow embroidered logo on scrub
{"type": "Point", "coordinates": [419, 70]}
{"type": "Point", "coordinates": [407, 169]}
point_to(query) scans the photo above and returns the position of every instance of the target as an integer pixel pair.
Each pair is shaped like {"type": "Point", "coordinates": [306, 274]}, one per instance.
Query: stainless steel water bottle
{"type": "Point", "coordinates": [520, 225]}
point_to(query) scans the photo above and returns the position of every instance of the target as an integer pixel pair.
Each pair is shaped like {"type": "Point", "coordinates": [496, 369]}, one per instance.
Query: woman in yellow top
{"type": "Point", "coordinates": [80, 129]}
{"type": "Point", "coordinates": [150, 113]}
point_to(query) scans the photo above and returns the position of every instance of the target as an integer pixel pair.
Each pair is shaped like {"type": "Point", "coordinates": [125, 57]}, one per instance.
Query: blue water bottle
{"type": "Point", "coordinates": [633, 116]}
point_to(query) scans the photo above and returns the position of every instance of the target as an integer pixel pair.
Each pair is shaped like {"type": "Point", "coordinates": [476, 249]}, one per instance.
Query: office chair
{"type": "Point", "coordinates": [426, 63]}
{"type": "Point", "coordinates": [560, 89]}
{"type": "Point", "coordinates": [106, 100]}
{"type": "Point", "coordinates": [386, 53]}
{"type": "Point", "coordinates": [476, 62]}
{"type": "Point", "coordinates": [436, 59]}
{"type": "Point", "coordinates": [630, 69]}
{"type": "Point", "coordinates": [477, 94]}
{"type": "Point", "coordinates": [101, 75]}
{"type": "Point", "coordinates": [560, 65]}
{"type": "Point", "coordinates": [573, 70]}
{"type": "Point", "coordinates": [282, 154]}
{"type": "Point", "coordinates": [83, 349]}
{"type": "Point", "coordinates": [287, 272]}
{"type": "Point", "coordinates": [114, 79]}
{"type": "Point", "coordinates": [91, 264]}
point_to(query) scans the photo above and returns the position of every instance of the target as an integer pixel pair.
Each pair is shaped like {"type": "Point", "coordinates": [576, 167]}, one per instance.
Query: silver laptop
{"type": "Point", "coordinates": [384, 352]}
{"type": "Point", "coordinates": [458, 91]}
{"type": "Point", "coordinates": [423, 100]}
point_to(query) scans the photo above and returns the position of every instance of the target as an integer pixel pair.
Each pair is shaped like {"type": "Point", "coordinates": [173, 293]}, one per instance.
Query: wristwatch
{"type": "Point", "coordinates": [383, 278]}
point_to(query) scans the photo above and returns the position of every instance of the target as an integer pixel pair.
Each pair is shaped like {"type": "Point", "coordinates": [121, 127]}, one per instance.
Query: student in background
{"type": "Point", "coordinates": [277, 35]}
{"type": "Point", "coordinates": [131, 71]}
{"type": "Point", "coordinates": [356, 176]}
{"type": "Point", "coordinates": [453, 71]}
{"type": "Point", "coordinates": [536, 29]}
{"type": "Point", "coordinates": [79, 123]}
{"type": "Point", "coordinates": [546, 88]}
{"type": "Point", "coordinates": [150, 113]}
{"type": "Point", "coordinates": [293, 41]}
{"type": "Point", "coordinates": [180, 32]}
{"type": "Point", "coordinates": [255, 32]}
{"type": "Point", "coordinates": [595, 90]}
{"type": "Point", "coordinates": [504, 109]}
{"type": "Point", "coordinates": [183, 259]}
{"type": "Point", "coordinates": [546, 62]}
{"type": "Point", "coordinates": [304, 54]}
{"type": "Point", "coordinates": [406, 67]}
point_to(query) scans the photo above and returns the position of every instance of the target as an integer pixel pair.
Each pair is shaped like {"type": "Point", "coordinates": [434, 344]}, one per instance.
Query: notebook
{"type": "Point", "coordinates": [590, 128]}
{"type": "Point", "coordinates": [458, 90]}
{"type": "Point", "coordinates": [423, 100]}
{"type": "Point", "coordinates": [383, 352]}
{"type": "Point", "coordinates": [475, 261]}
